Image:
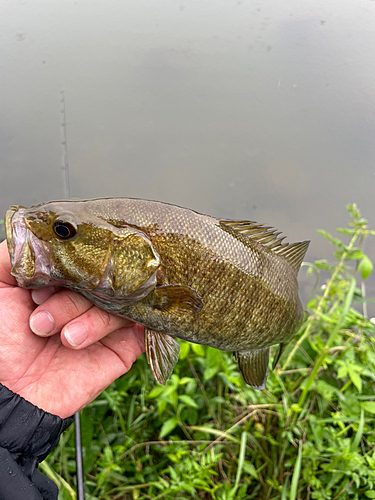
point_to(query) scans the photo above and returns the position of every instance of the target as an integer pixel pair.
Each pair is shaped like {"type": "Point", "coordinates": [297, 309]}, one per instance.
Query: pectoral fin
{"type": "Point", "coordinates": [254, 366]}
{"type": "Point", "coordinates": [162, 353]}
{"type": "Point", "coordinates": [176, 299]}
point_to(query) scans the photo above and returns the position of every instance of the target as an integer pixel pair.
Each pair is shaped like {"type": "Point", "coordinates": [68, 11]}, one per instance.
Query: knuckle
{"type": "Point", "coordinates": [73, 304]}
{"type": "Point", "coordinates": [105, 318]}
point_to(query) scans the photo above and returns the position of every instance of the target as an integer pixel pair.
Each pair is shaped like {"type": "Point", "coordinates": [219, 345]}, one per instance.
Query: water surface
{"type": "Point", "coordinates": [239, 109]}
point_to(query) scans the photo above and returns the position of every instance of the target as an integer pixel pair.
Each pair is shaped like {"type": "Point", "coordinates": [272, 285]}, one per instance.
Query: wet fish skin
{"type": "Point", "coordinates": [228, 284]}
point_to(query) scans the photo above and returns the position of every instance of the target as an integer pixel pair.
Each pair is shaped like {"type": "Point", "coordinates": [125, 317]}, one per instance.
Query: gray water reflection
{"type": "Point", "coordinates": [252, 110]}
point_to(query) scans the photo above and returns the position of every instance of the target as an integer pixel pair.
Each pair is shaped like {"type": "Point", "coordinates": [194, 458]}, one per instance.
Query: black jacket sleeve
{"type": "Point", "coordinates": [27, 435]}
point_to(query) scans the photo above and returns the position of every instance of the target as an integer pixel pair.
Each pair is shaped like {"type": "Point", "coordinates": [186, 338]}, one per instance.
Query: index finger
{"type": "Point", "coordinates": [53, 314]}
{"type": "Point", "coordinates": [79, 321]}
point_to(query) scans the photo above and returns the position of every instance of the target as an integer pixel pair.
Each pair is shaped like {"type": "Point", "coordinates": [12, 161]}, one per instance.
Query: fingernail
{"type": "Point", "coordinates": [42, 294]}
{"type": "Point", "coordinates": [42, 323]}
{"type": "Point", "coordinates": [75, 334]}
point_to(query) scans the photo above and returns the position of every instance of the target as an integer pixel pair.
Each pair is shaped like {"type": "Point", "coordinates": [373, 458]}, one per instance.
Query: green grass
{"type": "Point", "coordinates": [310, 435]}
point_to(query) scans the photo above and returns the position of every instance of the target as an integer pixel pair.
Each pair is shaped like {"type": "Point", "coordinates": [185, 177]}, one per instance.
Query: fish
{"type": "Point", "coordinates": [228, 284]}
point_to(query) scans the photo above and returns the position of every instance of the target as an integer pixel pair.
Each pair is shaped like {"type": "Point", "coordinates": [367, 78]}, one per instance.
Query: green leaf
{"type": "Point", "coordinates": [198, 349]}
{"type": "Point", "coordinates": [353, 210]}
{"type": "Point", "coordinates": [249, 468]}
{"type": "Point", "coordinates": [345, 230]}
{"type": "Point", "coordinates": [168, 427]}
{"type": "Point", "coordinates": [370, 493]}
{"type": "Point", "coordinates": [191, 416]}
{"type": "Point", "coordinates": [184, 350]}
{"type": "Point", "coordinates": [358, 435]}
{"type": "Point", "coordinates": [323, 264]}
{"type": "Point", "coordinates": [156, 391]}
{"type": "Point", "coordinates": [368, 406]}
{"type": "Point", "coordinates": [342, 371]}
{"type": "Point", "coordinates": [188, 401]}
{"type": "Point", "coordinates": [65, 495]}
{"type": "Point", "coordinates": [325, 389]}
{"type": "Point", "coordinates": [354, 254]}
{"type": "Point", "coordinates": [355, 377]}
{"type": "Point", "coordinates": [334, 241]}
{"type": "Point", "coordinates": [214, 357]}
{"type": "Point", "coordinates": [366, 267]}
{"type": "Point", "coordinates": [185, 380]}
{"type": "Point", "coordinates": [162, 404]}
{"type": "Point", "coordinates": [210, 372]}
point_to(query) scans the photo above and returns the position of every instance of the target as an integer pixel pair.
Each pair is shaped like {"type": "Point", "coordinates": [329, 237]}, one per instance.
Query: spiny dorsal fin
{"type": "Point", "coordinates": [293, 253]}
{"type": "Point", "coordinates": [268, 237]}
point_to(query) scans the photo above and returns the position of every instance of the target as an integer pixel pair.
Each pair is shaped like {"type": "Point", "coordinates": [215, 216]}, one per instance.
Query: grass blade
{"type": "Point", "coordinates": [358, 435]}
{"type": "Point", "coordinates": [296, 472]}
{"type": "Point", "coordinates": [241, 460]}
{"type": "Point", "coordinates": [56, 478]}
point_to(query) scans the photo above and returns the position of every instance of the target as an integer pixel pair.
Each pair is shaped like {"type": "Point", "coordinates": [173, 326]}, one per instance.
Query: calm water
{"type": "Point", "coordinates": [239, 109]}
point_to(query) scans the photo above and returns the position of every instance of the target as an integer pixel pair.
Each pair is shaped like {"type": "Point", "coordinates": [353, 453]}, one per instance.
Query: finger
{"type": "Point", "coordinates": [57, 311]}
{"type": "Point", "coordinates": [106, 361]}
{"type": "Point", "coordinates": [42, 294]}
{"type": "Point", "coordinates": [128, 344]}
{"type": "Point", "coordinates": [91, 327]}
{"type": "Point", "coordinates": [5, 267]}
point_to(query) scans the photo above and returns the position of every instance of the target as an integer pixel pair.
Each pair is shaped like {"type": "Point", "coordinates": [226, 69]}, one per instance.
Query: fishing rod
{"type": "Point", "coordinates": [66, 184]}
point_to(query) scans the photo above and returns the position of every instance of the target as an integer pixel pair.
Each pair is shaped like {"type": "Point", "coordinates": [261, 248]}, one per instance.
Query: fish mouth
{"type": "Point", "coordinates": [29, 256]}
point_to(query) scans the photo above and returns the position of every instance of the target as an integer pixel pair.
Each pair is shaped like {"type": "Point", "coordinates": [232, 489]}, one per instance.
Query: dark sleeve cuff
{"type": "Point", "coordinates": [26, 429]}
{"type": "Point", "coordinates": [27, 435]}
{"type": "Point", "coordinates": [16, 485]}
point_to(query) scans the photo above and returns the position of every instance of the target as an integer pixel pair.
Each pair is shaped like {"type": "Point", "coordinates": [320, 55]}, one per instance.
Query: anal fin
{"type": "Point", "coordinates": [254, 366]}
{"type": "Point", "coordinates": [162, 353]}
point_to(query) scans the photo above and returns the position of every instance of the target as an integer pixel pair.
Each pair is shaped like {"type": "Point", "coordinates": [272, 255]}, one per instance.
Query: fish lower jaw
{"type": "Point", "coordinates": [29, 255]}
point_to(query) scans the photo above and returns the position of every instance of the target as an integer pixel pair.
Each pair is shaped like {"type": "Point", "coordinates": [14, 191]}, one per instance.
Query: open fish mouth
{"type": "Point", "coordinates": [29, 256]}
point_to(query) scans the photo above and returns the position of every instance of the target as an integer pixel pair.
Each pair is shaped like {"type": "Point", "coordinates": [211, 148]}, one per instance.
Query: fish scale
{"type": "Point", "coordinates": [228, 284]}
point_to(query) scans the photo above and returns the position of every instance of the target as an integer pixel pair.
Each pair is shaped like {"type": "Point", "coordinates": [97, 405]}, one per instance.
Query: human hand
{"type": "Point", "coordinates": [43, 367]}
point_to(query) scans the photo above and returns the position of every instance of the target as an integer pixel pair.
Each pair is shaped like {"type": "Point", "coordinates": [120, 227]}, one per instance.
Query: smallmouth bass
{"type": "Point", "coordinates": [228, 284]}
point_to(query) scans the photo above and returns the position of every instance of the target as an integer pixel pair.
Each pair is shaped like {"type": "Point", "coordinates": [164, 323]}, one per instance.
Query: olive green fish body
{"type": "Point", "coordinates": [249, 294]}
{"type": "Point", "coordinates": [231, 285]}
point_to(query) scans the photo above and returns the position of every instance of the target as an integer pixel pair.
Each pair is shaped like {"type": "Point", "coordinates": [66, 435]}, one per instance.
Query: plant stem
{"type": "Point", "coordinates": [331, 338]}
{"type": "Point", "coordinates": [312, 319]}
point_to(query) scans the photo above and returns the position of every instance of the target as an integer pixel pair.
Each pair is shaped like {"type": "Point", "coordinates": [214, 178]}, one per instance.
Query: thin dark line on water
{"type": "Point", "coordinates": [66, 184]}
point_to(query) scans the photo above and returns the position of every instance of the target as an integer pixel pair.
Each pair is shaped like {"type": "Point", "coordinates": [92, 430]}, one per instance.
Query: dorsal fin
{"type": "Point", "coordinates": [294, 253]}
{"type": "Point", "coordinates": [268, 237]}
{"type": "Point", "coordinates": [258, 232]}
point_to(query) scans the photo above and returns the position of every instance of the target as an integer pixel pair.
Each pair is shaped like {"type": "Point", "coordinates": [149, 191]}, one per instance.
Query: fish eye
{"type": "Point", "coordinates": [64, 230]}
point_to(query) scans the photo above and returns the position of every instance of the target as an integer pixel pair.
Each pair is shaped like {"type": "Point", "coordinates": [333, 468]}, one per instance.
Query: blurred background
{"type": "Point", "coordinates": [258, 110]}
